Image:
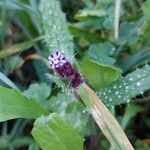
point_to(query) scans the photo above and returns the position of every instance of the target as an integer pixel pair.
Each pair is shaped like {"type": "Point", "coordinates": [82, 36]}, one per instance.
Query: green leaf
{"type": "Point", "coordinates": [56, 29]}
{"type": "Point", "coordinates": [14, 105]}
{"type": "Point", "coordinates": [108, 22]}
{"type": "Point", "coordinates": [42, 71]}
{"type": "Point", "coordinates": [101, 52]}
{"type": "Point", "coordinates": [138, 57]}
{"type": "Point", "coordinates": [39, 92]}
{"type": "Point", "coordinates": [71, 110]}
{"type": "Point", "coordinates": [7, 81]}
{"type": "Point", "coordinates": [146, 9]}
{"type": "Point", "coordinates": [125, 88]}
{"type": "Point", "coordinates": [99, 75]}
{"type": "Point", "coordinates": [130, 112]}
{"type": "Point", "coordinates": [132, 28]}
{"type": "Point", "coordinates": [33, 146]}
{"type": "Point", "coordinates": [54, 133]}
{"type": "Point", "coordinates": [18, 47]}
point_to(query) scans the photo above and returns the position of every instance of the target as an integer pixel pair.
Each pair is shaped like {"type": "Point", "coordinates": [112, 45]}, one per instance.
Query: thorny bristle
{"type": "Point", "coordinates": [63, 68]}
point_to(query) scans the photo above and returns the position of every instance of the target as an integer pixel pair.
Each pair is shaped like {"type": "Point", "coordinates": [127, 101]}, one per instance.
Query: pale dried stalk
{"type": "Point", "coordinates": [104, 119]}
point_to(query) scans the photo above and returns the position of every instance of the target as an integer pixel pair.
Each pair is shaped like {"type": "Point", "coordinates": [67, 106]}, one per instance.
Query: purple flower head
{"type": "Point", "coordinates": [63, 68]}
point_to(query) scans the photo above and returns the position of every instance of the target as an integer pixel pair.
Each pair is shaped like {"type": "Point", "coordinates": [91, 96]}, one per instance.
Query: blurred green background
{"type": "Point", "coordinates": [92, 23]}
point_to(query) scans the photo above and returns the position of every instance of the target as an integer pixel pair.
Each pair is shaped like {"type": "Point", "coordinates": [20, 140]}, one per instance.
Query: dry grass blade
{"type": "Point", "coordinates": [104, 119]}
{"type": "Point", "coordinates": [19, 47]}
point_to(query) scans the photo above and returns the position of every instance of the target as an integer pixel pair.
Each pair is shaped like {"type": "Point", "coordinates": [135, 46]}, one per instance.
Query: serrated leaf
{"type": "Point", "coordinates": [14, 105]}
{"type": "Point", "coordinates": [146, 9]}
{"type": "Point", "coordinates": [99, 75]}
{"type": "Point", "coordinates": [56, 29]}
{"type": "Point", "coordinates": [101, 52]}
{"type": "Point", "coordinates": [125, 88]}
{"type": "Point", "coordinates": [54, 133]}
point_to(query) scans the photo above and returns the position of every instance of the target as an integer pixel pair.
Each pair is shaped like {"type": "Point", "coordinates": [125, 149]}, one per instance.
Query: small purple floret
{"type": "Point", "coordinates": [62, 67]}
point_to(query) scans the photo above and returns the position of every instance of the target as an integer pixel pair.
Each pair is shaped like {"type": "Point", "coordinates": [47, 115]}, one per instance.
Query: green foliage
{"type": "Point", "coordinates": [18, 47]}
{"type": "Point", "coordinates": [125, 88]}
{"type": "Point", "coordinates": [55, 28]}
{"type": "Point", "coordinates": [53, 132]}
{"type": "Point", "coordinates": [130, 112]}
{"type": "Point", "coordinates": [70, 109]}
{"type": "Point", "coordinates": [146, 9]}
{"type": "Point", "coordinates": [91, 22]}
{"type": "Point", "coordinates": [98, 74]}
{"type": "Point", "coordinates": [39, 92]}
{"type": "Point", "coordinates": [33, 146]}
{"type": "Point", "coordinates": [7, 81]}
{"type": "Point", "coordinates": [14, 105]}
{"type": "Point", "coordinates": [101, 53]}
{"type": "Point", "coordinates": [133, 36]}
{"type": "Point", "coordinates": [13, 63]}
{"type": "Point", "coordinates": [92, 37]}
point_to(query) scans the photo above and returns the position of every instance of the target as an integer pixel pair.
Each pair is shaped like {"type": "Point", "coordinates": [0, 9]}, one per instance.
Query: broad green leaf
{"type": "Point", "coordinates": [39, 92]}
{"type": "Point", "coordinates": [18, 47]}
{"type": "Point", "coordinates": [54, 133]}
{"type": "Point", "coordinates": [71, 110]}
{"type": "Point", "coordinates": [125, 88]}
{"type": "Point", "coordinates": [130, 112]}
{"type": "Point", "coordinates": [86, 14]}
{"type": "Point", "coordinates": [14, 105]}
{"type": "Point", "coordinates": [56, 29]}
{"type": "Point", "coordinates": [101, 52]}
{"type": "Point", "coordinates": [146, 9]}
{"type": "Point", "coordinates": [99, 75]}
